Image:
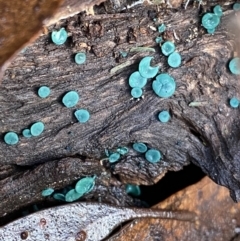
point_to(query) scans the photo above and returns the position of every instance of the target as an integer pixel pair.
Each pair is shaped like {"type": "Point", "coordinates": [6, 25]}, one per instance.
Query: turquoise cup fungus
{"type": "Point", "coordinates": [218, 10]}
{"type": "Point", "coordinates": [236, 6]}
{"type": "Point", "coordinates": [26, 133]}
{"type": "Point", "coordinates": [70, 99]}
{"type": "Point", "coordinates": [122, 150]}
{"type": "Point", "coordinates": [133, 190]}
{"type": "Point", "coordinates": [140, 147]}
{"type": "Point", "coordinates": [153, 155]}
{"type": "Point", "coordinates": [174, 60]}
{"type": "Point", "coordinates": [59, 37]}
{"type": "Point", "coordinates": [164, 86]}
{"type": "Point", "coordinates": [234, 102]}
{"type": "Point", "coordinates": [161, 28]}
{"type": "Point", "coordinates": [85, 185]}
{"type": "Point", "coordinates": [72, 195]}
{"type": "Point", "coordinates": [136, 92]}
{"type": "Point", "coordinates": [234, 66]}
{"type": "Point", "coordinates": [210, 21]}
{"type": "Point", "coordinates": [11, 138]}
{"type": "Point", "coordinates": [145, 69]}
{"type": "Point", "coordinates": [59, 196]}
{"type": "Point", "coordinates": [164, 116]}
{"type": "Point", "coordinates": [47, 192]}
{"type": "Point", "coordinates": [37, 128]}
{"type": "Point", "coordinates": [80, 58]}
{"type": "Point", "coordinates": [158, 40]}
{"type": "Point", "coordinates": [82, 115]}
{"type": "Point", "coordinates": [44, 91]}
{"type": "Point", "coordinates": [136, 80]}
{"type": "Point", "coordinates": [114, 157]}
{"type": "Point", "coordinates": [168, 48]}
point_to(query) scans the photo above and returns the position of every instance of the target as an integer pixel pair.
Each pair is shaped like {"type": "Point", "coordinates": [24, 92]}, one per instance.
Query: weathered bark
{"type": "Point", "coordinates": [198, 134]}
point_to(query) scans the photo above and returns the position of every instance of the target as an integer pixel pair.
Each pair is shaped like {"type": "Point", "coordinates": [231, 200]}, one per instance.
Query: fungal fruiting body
{"type": "Point", "coordinates": [167, 48]}
{"type": "Point", "coordinates": [161, 28]}
{"type": "Point", "coordinates": [133, 189]}
{"type": "Point", "coordinates": [236, 6]}
{"type": "Point", "coordinates": [59, 37]}
{"type": "Point", "coordinates": [145, 68]}
{"type": "Point", "coordinates": [37, 128]}
{"type": "Point", "coordinates": [114, 157]}
{"type": "Point", "coordinates": [47, 192]}
{"type": "Point", "coordinates": [140, 147]}
{"type": "Point", "coordinates": [11, 138]}
{"type": "Point", "coordinates": [80, 58]}
{"type": "Point", "coordinates": [27, 133]}
{"type": "Point", "coordinates": [82, 115]}
{"type": "Point", "coordinates": [122, 150]}
{"type": "Point", "coordinates": [72, 195]}
{"type": "Point", "coordinates": [234, 66]}
{"type": "Point", "coordinates": [70, 99]}
{"type": "Point", "coordinates": [164, 86]}
{"type": "Point", "coordinates": [164, 116]}
{"type": "Point", "coordinates": [211, 20]}
{"type": "Point", "coordinates": [234, 102]}
{"type": "Point", "coordinates": [136, 92]}
{"type": "Point", "coordinates": [59, 196]}
{"type": "Point", "coordinates": [85, 185]}
{"type": "Point", "coordinates": [174, 60]}
{"type": "Point", "coordinates": [136, 80]}
{"type": "Point", "coordinates": [44, 91]}
{"type": "Point", "coordinates": [158, 40]}
{"type": "Point", "coordinates": [218, 10]}
{"type": "Point", "coordinates": [153, 155]}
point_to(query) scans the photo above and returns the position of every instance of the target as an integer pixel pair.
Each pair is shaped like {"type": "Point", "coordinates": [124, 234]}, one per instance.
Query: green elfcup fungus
{"type": "Point", "coordinates": [47, 192]}
{"type": "Point", "coordinates": [72, 195]}
{"type": "Point", "coordinates": [59, 196]}
{"type": "Point", "coordinates": [136, 80]}
{"type": "Point", "coordinates": [218, 10]}
{"type": "Point", "coordinates": [174, 60]}
{"type": "Point", "coordinates": [164, 86]}
{"type": "Point", "coordinates": [80, 58]}
{"type": "Point", "coordinates": [37, 128]}
{"type": "Point", "coordinates": [168, 48]}
{"type": "Point", "coordinates": [133, 190]}
{"type": "Point", "coordinates": [145, 69]}
{"type": "Point", "coordinates": [211, 31]}
{"type": "Point", "coordinates": [44, 91]}
{"type": "Point", "coordinates": [82, 115]}
{"type": "Point", "coordinates": [140, 147]}
{"type": "Point", "coordinates": [122, 150]}
{"type": "Point", "coordinates": [59, 37]}
{"type": "Point", "coordinates": [210, 21]}
{"type": "Point", "coordinates": [236, 6]}
{"type": "Point", "coordinates": [161, 28]}
{"type": "Point", "coordinates": [85, 185]}
{"type": "Point", "coordinates": [11, 138]}
{"type": "Point", "coordinates": [158, 40]}
{"type": "Point", "coordinates": [70, 99]}
{"type": "Point", "coordinates": [234, 66]}
{"type": "Point", "coordinates": [153, 155]}
{"type": "Point", "coordinates": [136, 92]}
{"type": "Point", "coordinates": [234, 102]}
{"type": "Point", "coordinates": [114, 157]}
{"type": "Point", "coordinates": [26, 133]}
{"type": "Point", "coordinates": [164, 116]}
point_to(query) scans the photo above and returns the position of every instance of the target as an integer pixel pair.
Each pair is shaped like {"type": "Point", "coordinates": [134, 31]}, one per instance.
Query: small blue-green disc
{"type": "Point", "coordinates": [234, 66]}
{"type": "Point", "coordinates": [59, 37]}
{"type": "Point", "coordinates": [174, 60]}
{"type": "Point", "coordinates": [82, 115]}
{"type": "Point", "coordinates": [136, 92]}
{"type": "Point", "coordinates": [168, 48]}
{"type": "Point", "coordinates": [136, 80]}
{"type": "Point", "coordinates": [153, 155]}
{"type": "Point", "coordinates": [164, 116]}
{"type": "Point", "coordinates": [37, 128]}
{"type": "Point", "coordinates": [210, 20]}
{"type": "Point", "coordinates": [114, 157]}
{"type": "Point", "coordinates": [161, 28]}
{"type": "Point", "coordinates": [85, 185]}
{"type": "Point", "coordinates": [218, 10]}
{"type": "Point", "coordinates": [27, 133]}
{"type": "Point", "coordinates": [11, 138]}
{"type": "Point", "coordinates": [122, 150]}
{"type": "Point", "coordinates": [47, 192]}
{"type": "Point", "coordinates": [124, 54]}
{"type": "Point", "coordinates": [234, 102]}
{"type": "Point", "coordinates": [72, 195]}
{"type": "Point", "coordinates": [211, 31]}
{"type": "Point", "coordinates": [70, 99]}
{"type": "Point", "coordinates": [80, 58]}
{"type": "Point", "coordinates": [236, 6]}
{"type": "Point", "coordinates": [158, 40]}
{"type": "Point", "coordinates": [133, 189]}
{"type": "Point", "coordinates": [44, 91]}
{"type": "Point", "coordinates": [145, 69]}
{"type": "Point", "coordinates": [140, 147]}
{"type": "Point", "coordinates": [59, 196]}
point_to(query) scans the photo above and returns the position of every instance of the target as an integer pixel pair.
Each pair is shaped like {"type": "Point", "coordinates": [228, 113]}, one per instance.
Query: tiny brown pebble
{"type": "Point", "coordinates": [24, 235]}
{"type": "Point", "coordinates": [81, 236]}
{"type": "Point", "coordinates": [43, 221]}
{"type": "Point", "coordinates": [46, 236]}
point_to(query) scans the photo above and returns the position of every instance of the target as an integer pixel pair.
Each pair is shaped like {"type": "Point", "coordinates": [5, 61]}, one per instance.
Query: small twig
{"type": "Point", "coordinates": [109, 16]}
